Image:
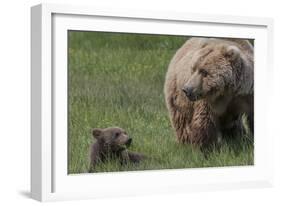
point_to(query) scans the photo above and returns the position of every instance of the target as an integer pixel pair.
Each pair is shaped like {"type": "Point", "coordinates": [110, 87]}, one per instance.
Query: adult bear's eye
{"type": "Point", "coordinates": [203, 72]}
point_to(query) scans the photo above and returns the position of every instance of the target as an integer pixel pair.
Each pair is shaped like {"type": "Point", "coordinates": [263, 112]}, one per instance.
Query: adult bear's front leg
{"type": "Point", "coordinates": [203, 126]}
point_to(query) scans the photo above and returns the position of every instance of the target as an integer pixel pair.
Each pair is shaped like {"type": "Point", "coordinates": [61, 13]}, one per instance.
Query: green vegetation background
{"type": "Point", "coordinates": [117, 80]}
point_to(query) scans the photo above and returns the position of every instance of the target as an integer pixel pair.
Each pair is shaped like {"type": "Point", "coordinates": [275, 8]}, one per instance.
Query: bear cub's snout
{"type": "Point", "coordinates": [129, 142]}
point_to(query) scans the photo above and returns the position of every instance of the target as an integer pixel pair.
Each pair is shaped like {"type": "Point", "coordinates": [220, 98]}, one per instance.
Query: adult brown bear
{"type": "Point", "coordinates": [208, 87]}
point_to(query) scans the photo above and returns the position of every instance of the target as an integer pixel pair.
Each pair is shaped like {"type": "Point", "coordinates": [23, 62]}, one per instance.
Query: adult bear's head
{"type": "Point", "coordinates": [215, 69]}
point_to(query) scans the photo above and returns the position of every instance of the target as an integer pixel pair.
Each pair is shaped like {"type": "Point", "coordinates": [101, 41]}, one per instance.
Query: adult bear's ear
{"type": "Point", "coordinates": [96, 132]}
{"type": "Point", "coordinates": [236, 58]}
{"type": "Point", "coordinates": [232, 53]}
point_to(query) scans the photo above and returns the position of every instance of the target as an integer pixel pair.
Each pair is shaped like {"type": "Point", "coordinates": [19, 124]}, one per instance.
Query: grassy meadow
{"type": "Point", "coordinates": [117, 80]}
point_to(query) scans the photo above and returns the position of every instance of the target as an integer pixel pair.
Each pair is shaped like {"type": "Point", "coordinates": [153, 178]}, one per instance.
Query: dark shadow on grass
{"type": "Point", "coordinates": [237, 145]}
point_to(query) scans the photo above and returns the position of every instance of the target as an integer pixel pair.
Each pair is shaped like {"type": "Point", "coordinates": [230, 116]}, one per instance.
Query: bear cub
{"type": "Point", "coordinates": [112, 142]}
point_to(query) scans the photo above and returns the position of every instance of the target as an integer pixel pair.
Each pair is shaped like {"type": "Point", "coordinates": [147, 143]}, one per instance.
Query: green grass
{"type": "Point", "coordinates": [117, 80]}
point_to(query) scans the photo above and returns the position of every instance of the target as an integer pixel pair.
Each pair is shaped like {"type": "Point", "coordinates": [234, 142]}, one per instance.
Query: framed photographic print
{"type": "Point", "coordinates": [136, 102]}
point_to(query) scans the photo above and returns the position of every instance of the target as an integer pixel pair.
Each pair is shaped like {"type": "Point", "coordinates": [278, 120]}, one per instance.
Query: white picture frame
{"type": "Point", "coordinates": [49, 177]}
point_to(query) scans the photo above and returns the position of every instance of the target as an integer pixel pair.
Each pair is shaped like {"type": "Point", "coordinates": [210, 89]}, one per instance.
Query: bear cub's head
{"type": "Point", "coordinates": [114, 138]}
{"type": "Point", "coordinates": [215, 69]}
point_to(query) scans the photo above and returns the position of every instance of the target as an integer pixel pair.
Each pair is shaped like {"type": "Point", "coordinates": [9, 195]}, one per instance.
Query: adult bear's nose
{"type": "Point", "coordinates": [188, 91]}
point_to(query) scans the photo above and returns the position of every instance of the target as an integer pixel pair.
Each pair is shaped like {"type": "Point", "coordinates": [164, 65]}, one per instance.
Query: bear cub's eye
{"type": "Point", "coordinates": [117, 134]}
{"type": "Point", "coordinates": [203, 72]}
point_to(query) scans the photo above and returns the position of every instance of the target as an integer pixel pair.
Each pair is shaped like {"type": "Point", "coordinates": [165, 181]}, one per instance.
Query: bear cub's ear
{"type": "Point", "coordinates": [96, 133]}
{"type": "Point", "coordinates": [232, 53]}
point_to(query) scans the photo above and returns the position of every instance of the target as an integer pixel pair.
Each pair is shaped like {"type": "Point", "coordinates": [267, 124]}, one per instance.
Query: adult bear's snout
{"type": "Point", "coordinates": [189, 92]}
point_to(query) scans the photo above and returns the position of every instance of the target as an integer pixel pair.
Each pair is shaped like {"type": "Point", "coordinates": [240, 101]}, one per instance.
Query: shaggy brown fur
{"type": "Point", "coordinates": [112, 143]}
{"type": "Point", "coordinates": [208, 87]}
